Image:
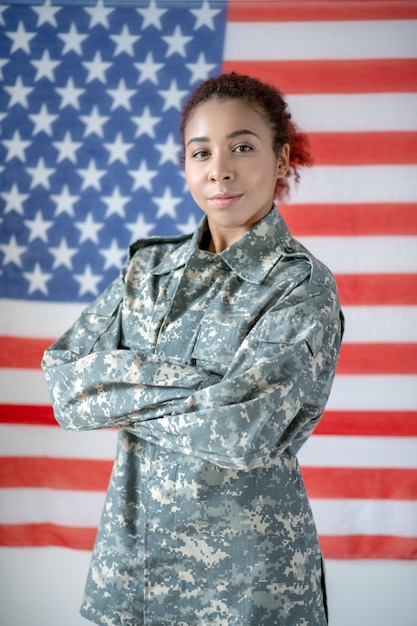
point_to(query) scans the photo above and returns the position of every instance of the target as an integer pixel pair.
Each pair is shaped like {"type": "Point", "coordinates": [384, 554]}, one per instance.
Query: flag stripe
{"type": "Point", "coordinates": [364, 423]}
{"type": "Point", "coordinates": [342, 546]}
{"type": "Point", "coordinates": [47, 534]}
{"type": "Point", "coordinates": [394, 39]}
{"type": "Point", "coordinates": [377, 289]}
{"type": "Point", "coordinates": [384, 358]}
{"type": "Point", "coordinates": [332, 77]}
{"type": "Point", "coordinates": [351, 219]}
{"type": "Point", "coordinates": [89, 475]}
{"type": "Point", "coordinates": [364, 148]}
{"type": "Point", "coordinates": [283, 11]}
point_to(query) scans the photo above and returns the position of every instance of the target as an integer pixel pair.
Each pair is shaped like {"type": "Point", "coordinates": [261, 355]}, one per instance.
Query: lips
{"type": "Point", "coordinates": [225, 200]}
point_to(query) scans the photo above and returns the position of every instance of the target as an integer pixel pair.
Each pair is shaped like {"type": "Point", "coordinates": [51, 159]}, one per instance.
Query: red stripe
{"type": "Point", "coordinates": [27, 414]}
{"type": "Point", "coordinates": [373, 148]}
{"type": "Point", "coordinates": [371, 423]}
{"type": "Point", "coordinates": [38, 535]}
{"type": "Point", "coordinates": [335, 77]}
{"type": "Point", "coordinates": [267, 11]}
{"type": "Point", "coordinates": [55, 473]}
{"type": "Point", "coordinates": [345, 482]}
{"type": "Point", "coordinates": [377, 289]}
{"type": "Point", "coordinates": [368, 423]}
{"type": "Point", "coordinates": [22, 351]}
{"type": "Point", "coordinates": [368, 547]}
{"type": "Point", "coordinates": [351, 219]}
{"type": "Point", "coordinates": [334, 547]}
{"type": "Point", "coordinates": [378, 358]}
{"type": "Point", "coordinates": [91, 475]}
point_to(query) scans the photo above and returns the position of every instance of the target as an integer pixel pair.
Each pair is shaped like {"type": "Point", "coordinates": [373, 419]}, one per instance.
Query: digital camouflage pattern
{"type": "Point", "coordinates": [215, 368]}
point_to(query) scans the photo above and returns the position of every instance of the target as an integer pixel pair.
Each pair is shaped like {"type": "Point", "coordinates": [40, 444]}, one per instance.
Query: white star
{"type": "Point", "coordinates": [124, 42]}
{"type": "Point", "coordinates": [189, 227]}
{"type": "Point", "coordinates": [148, 69]}
{"type": "Point", "coordinates": [2, 62]}
{"type": "Point", "coordinates": [16, 147]}
{"type": "Point", "coordinates": [43, 120]}
{"type": "Point", "coordinates": [169, 150]}
{"type": "Point", "coordinates": [145, 123]}
{"type": "Point", "coordinates": [88, 229]}
{"type": "Point", "coordinates": [67, 148]}
{"type": "Point", "coordinates": [91, 176]}
{"type": "Point", "coordinates": [200, 70]}
{"type": "Point", "coordinates": [38, 227]}
{"type": "Point", "coordinates": [140, 228]}
{"type": "Point", "coordinates": [12, 252]}
{"type": "Point", "coordinates": [72, 40]}
{"type": "Point", "coordinates": [96, 68]}
{"type": "Point", "coordinates": [63, 255]}
{"type": "Point", "coordinates": [118, 149]}
{"type": "Point", "coordinates": [114, 256]}
{"type": "Point", "coordinates": [167, 204]}
{"type": "Point", "coordinates": [116, 203]}
{"type": "Point", "coordinates": [14, 200]}
{"type": "Point", "coordinates": [40, 174]}
{"type": "Point", "coordinates": [46, 13]}
{"type": "Point", "coordinates": [204, 16]}
{"type": "Point", "coordinates": [18, 93]}
{"type": "Point", "coordinates": [65, 202]}
{"type": "Point", "coordinates": [37, 279]}
{"type": "Point", "coordinates": [2, 9]}
{"type": "Point", "coordinates": [98, 15]}
{"type": "Point", "coordinates": [121, 96]}
{"type": "Point", "coordinates": [176, 42]}
{"type": "Point", "coordinates": [151, 16]}
{"type": "Point", "coordinates": [20, 39]}
{"type": "Point", "coordinates": [94, 122]}
{"type": "Point", "coordinates": [172, 96]}
{"type": "Point", "coordinates": [88, 281]}
{"type": "Point", "coordinates": [45, 67]}
{"type": "Point", "coordinates": [142, 177]}
{"type": "Point", "coordinates": [70, 94]}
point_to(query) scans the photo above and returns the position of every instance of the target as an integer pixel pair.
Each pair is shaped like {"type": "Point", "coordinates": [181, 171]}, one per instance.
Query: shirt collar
{"type": "Point", "coordinates": [251, 257]}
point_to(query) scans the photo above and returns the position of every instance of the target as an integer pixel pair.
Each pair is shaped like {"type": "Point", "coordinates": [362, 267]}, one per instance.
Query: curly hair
{"type": "Point", "coordinates": [270, 103]}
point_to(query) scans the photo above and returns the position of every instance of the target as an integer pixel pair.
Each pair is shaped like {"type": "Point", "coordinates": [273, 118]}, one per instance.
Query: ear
{"type": "Point", "coordinates": [283, 161]}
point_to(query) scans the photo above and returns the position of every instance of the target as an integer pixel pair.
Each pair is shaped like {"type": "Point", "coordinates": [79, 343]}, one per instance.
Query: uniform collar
{"type": "Point", "coordinates": [251, 257]}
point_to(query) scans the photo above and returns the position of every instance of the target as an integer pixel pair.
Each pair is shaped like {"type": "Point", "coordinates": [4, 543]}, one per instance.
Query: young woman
{"type": "Point", "coordinates": [214, 354]}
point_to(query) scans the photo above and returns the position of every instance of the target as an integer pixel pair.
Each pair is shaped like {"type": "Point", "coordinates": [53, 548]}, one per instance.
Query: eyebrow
{"type": "Point", "coordinates": [235, 133]}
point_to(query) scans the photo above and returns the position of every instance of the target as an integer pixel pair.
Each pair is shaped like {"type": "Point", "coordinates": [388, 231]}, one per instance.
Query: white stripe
{"type": "Point", "coordinates": [388, 39]}
{"type": "Point", "coordinates": [389, 392]}
{"type": "Point", "coordinates": [373, 393]}
{"type": "Point", "coordinates": [37, 319]}
{"type": "Point", "coordinates": [52, 441]}
{"type": "Point", "coordinates": [359, 452]}
{"type": "Point", "coordinates": [380, 324]}
{"type": "Point", "coordinates": [356, 184]}
{"type": "Point", "coordinates": [364, 324]}
{"type": "Point", "coordinates": [37, 506]}
{"type": "Point", "coordinates": [365, 255]}
{"type": "Point", "coordinates": [365, 517]}
{"type": "Point", "coordinates": [354, 112]}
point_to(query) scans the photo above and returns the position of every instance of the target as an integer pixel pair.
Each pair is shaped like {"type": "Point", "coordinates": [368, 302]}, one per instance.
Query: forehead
{"type": "Point", "coordinates": [216, 116]}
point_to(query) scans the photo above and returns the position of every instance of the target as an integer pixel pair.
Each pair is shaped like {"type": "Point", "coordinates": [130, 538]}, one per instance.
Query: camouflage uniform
{"type": "Point", "coordinates": [215, 368]}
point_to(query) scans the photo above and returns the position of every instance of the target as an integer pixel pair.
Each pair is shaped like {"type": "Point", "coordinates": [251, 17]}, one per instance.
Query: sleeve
{"type": "Point", "coordinates": [94, 384]}
{"type": "Point", "coordinates": [273, 393]}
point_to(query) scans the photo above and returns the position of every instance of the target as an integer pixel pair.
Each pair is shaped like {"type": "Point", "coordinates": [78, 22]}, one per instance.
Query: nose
{"type": "Point", "coordinates": [220, 168]}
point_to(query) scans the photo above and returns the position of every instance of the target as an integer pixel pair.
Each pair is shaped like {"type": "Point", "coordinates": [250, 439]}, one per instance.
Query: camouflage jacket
{"type": "Point", "coordinates": [215, 368]}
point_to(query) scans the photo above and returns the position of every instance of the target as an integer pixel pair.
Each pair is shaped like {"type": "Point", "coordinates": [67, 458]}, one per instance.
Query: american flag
{"type": "Point", "coordinates": [89, 108]}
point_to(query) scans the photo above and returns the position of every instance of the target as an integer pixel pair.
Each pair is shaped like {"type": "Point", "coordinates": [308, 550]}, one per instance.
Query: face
{"type": "Point", "coordinates": [231, 167]}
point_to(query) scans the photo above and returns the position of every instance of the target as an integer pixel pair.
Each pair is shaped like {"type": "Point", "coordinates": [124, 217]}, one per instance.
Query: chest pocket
{"type": "Point", "coordinates": [217, 343]}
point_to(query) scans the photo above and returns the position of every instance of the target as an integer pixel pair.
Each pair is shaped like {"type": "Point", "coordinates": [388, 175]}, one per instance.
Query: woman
{"type": "Point", "coordinates": [214, 354]}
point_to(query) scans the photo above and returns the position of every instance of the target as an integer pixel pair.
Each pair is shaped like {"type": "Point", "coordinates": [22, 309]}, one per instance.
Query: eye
{"type": "Point", "coordinates": [243, 147]}
{"type": "Point", "coordinates": [200, 154]}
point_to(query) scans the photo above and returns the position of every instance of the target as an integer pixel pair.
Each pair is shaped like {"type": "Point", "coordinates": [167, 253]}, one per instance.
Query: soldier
{"type": "Point", "coordinates": [214, 355]}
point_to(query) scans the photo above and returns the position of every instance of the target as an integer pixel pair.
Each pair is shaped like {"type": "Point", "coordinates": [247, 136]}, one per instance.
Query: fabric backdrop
{"type": "Point", "coordinates": [89, 107]}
